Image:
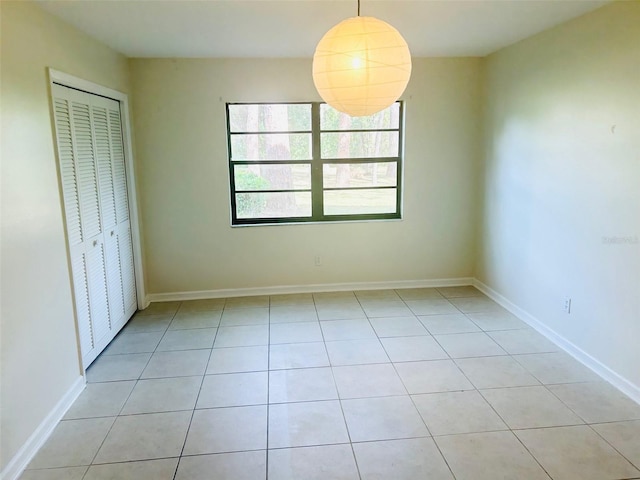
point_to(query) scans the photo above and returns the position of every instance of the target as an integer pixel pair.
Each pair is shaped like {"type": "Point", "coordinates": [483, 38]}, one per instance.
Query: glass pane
{"type": "Point", "coordinates": [331, 119]}
{"type": "Point", "coordinates": [270, 118]}
{"type": "Point", "coordinates": [271, 146]}
{"type": "Point", "coordinates": [273, 205]}
{"type": "Point", "coordinates": [360, 175]}
{"type": "Point", "coordinates": [272, 177]}
{"type": "Point", "coordinates": [359, 144]}
{"type": "Point", "coordinates": [346, 202]}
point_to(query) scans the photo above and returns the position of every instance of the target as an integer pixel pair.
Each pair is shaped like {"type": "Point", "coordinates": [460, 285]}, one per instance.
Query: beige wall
{"type": "Point", "coordinates": [39, 353]}
{"type": "Point", "coordinates": [562, 177]}
{"type": "Point", "coordinates": [184, 187]}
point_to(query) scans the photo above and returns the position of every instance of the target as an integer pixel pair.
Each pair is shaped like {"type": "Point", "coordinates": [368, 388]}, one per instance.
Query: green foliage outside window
{"type": "Point", "coordinates": [250, 204]}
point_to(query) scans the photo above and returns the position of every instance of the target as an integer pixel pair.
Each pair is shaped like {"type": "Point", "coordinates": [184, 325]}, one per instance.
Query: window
{"type": "Point", "coordinates": [307, 162]}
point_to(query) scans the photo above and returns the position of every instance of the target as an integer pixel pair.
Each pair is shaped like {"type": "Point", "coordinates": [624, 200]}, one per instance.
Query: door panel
{"type": "Point", "coordinates": [94, 190]}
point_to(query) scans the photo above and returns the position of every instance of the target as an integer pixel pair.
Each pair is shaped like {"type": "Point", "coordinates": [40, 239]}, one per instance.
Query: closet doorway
{"type": "Point", "coordinates": [96, 185]}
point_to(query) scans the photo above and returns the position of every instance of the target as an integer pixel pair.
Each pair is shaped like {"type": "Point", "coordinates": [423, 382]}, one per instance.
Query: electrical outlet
{"type": "Point", "coordinates": [317, 260]}
{"type": "Point", "coordinates": [567, 305]}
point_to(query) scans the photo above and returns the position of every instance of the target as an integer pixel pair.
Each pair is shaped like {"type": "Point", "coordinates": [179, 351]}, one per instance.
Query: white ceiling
{"type": "Point", "coordinates": [292, 28]}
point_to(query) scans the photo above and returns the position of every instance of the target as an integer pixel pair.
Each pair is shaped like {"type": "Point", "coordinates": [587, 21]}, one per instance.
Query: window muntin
{"type": "Point", "coordinates": [307, 162]}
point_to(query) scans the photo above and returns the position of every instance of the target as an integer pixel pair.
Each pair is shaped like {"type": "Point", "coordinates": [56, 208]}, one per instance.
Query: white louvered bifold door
{"type": "Point", "coordinates": [104, 161]}
{"type": "Point", "coordinates": [123, 229]}
{"type": "Point", "coordinates": [93, 180]}
{"type": "Point", "coordinates": [71, 200]}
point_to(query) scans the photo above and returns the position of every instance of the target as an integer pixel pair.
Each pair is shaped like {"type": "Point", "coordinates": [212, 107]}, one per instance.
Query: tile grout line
{"type": "Point", "coordinates": [266, 452]}
{"type": "Point", "coordinates": [529, 452]}
{"type": "Point", "coordinates": [510, 430]}
{"type": "Point", "coordinates": [115, 419]}
{"type": "Point", "coordinates": [407, 391]}
{"type": "Point", "coordinates": [450, 358]}
{"type": "Point", "coordinates": [637, 467]}
{"type": "Point", "coordinates": [418, 411]}
{"type": "Point", "coordinates": [335, 384]}
{"type": "Point", "coordinates": [204, 374]}
{"type": "Point", "coordinates": [485, 400]}
{"type": "Point", "coordinates": [590, 425]}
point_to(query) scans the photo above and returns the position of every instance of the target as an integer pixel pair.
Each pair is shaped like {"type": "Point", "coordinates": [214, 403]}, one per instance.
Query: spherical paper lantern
{"type": "Point", "coordinates": [361, 66]}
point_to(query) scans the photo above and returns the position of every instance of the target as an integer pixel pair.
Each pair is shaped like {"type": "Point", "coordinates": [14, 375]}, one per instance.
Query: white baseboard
{"type": "Point", "coordinates": [21, 459]}
{"type": "Point", "coordinates": [618, 381]}
{"type": "Point", "coordinates": [326, 287]}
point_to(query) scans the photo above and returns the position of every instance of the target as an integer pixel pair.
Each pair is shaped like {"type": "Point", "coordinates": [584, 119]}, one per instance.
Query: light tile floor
{"type": "Point", "coordinates": [408, 384]}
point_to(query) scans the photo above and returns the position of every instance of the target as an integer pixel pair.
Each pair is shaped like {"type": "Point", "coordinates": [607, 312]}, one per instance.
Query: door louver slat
{"type": "Point", "coordinates": [68, 171]}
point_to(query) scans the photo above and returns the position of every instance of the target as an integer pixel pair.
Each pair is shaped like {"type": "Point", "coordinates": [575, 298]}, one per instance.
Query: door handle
{"type": "Point", "coordinates": [95, 242]}
{"type": "Point", "coordinates": [112, 233]}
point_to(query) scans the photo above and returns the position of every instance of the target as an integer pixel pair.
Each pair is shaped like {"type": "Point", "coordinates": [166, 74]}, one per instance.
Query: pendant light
{"type": "Point", "coordinates": [361, 66]}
